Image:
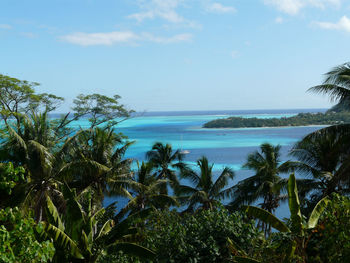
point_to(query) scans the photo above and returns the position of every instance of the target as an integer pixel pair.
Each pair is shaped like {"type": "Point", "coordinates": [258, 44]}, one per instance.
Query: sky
{"type": "Point", "coordinates": [169, 55]}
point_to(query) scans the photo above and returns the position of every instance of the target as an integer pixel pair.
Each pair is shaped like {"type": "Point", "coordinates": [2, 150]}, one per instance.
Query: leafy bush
{"type": "Point", "coordinates": [18, 241]}
{"type": "Point", "coordinates": [201, 237]}
{"type": "Point", "coordinates": [12, 181]}
{"type": "Point", "coordinates": [330, 240]}
{"type": "Point", "coordinates": [10, 177]}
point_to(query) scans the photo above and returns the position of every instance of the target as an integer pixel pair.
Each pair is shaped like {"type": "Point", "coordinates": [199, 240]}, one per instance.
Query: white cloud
{"type": "Point", "coordinates": [293, 7]}
{"type": "Point", "coordinates": [92, 39]}
{"type": "Point", "coordinates": [120, 37]}
{"type": "Point", "coordinates": [343, 24]}
{"type": "Point", "coordinates": [234, 54]}
{"type": "Point", "coordinates": [165, 9]}
{"type": "Point", "coordinates": [5, 26]}
{"type": "Point", "coordinates": [220, 9]}
{"type": "Point", "coordinates": [166, 40]}
{"type": "Point", "coordinates": [279, 20]}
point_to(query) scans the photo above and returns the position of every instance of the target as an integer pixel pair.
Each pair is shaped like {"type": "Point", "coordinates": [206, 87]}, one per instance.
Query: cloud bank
{"type": "Point", "coordinates": [220, 9]}
{"type": "Point", "coordinates": [342, 25]}
{"type": "Point", "coordinates": [120, 37]}
{"type": "Point", "coordinates": [293, 7]}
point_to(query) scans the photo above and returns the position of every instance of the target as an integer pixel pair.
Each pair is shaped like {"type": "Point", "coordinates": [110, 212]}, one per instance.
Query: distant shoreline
{"type": "Point", "coordinates": [218, 112]}
{"type": "Point", "coordinates": [302, 119]}
{"type": "Point", "coordinates": [272, 127]}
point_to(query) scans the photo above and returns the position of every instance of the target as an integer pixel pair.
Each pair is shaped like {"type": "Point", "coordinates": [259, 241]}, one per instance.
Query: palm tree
{"type": "Point", "coordinates": [336, 84]}
{"type": "Point", "coordinates": [95, 160]}
{"type": "Point", "coordinates": [33, 148]}
{"type": "Point", "coordinates": [297, 229]}
{"type": "Point", "coordinates": [323, 155]}
{"type": "Point", "coordinates": [266, 183]}
{"type": "Point", "coordinates": [146, 189]}
{"type": "Point", "coordinates": [82, 233]}
{"type": "Point", "coordinates": [206, 192]}
{"type": "Point", "coordinates": [165, 161]}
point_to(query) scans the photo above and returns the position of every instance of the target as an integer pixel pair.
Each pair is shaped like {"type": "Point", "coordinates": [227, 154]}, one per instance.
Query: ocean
{"type": "Point", "coordinates": [223, 147]}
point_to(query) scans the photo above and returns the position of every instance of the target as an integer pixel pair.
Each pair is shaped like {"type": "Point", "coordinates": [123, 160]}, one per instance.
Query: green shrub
{"type": "Point", "coordinates": [201, 237]}
{"type": "Point", "coordinates": [330, 240]}
{"type": "Point", "coordinates": [18, 241]}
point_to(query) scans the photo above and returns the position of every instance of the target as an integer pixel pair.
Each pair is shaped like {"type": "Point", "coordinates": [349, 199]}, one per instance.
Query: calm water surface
{"type": "Point", "coordinates": [224, 147]}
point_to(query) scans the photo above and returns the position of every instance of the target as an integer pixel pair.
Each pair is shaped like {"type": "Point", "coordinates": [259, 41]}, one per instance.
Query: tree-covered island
{"type": "Point", "coordinates": [331, 117]}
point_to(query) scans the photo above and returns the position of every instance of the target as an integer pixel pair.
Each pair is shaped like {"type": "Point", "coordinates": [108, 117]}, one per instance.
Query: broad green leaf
{"type": "Point", "coordinates": [290, 251]}
{"type": "Point", "coordinates": [94, 217]}
{"type": "Point", "coordinates": [266, 217]}
{"type": "Point", "coordinates": [62, 240]}
{"type": "Point", "coordinates": [123, 228]}
{"type": "Point", "coordinates": [52, 214]}
{"type": "Point", "coordinates": [74, 217]}
{"type": "Point", "coordinates": [234, 248]}
{"type": "Point", "coordinates": [294, 205]}
{"type": "Point", "coordinates": [85, 242]}
{"type": "Point", "coordinates": [106, 228]}
{"type": "Point", "coordinates": [317, 212]}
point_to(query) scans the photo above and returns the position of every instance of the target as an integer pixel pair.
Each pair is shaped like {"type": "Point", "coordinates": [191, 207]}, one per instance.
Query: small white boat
{"type": "Point", "coordinates": [183, 151]}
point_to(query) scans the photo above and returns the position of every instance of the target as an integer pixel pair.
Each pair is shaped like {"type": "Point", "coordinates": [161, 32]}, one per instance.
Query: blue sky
{"type": "Point", "coordinates": [177, 54]}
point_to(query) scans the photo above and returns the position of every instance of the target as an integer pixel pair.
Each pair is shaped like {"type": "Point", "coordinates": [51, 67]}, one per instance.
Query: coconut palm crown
{"type": "Point", "coordinates": [165, 162]}
{"type": "Point", "coordinates": [207, 192]}
{"type": "Point", "coordinates": [266, 184]}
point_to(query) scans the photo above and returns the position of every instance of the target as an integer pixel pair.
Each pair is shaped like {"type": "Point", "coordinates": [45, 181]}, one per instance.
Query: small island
{"type": "Point", "coordinates": [331, 117]}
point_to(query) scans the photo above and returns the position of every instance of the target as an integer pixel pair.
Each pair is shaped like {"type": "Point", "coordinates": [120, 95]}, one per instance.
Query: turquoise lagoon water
{"type": "Point", "coordinates": [224, 147]}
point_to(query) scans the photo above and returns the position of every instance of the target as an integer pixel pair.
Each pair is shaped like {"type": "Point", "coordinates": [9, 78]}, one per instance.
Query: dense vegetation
{"type": "Point", "coordinates": [53, 180]}
{"type": "Point", "coordinates": [302, 119]}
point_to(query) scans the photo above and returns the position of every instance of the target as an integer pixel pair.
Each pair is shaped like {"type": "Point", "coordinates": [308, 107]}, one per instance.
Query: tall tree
{"type": "Point", "coordinates": [48, 147]}
{"type": "Point", "coordinates": [336, 84]}
{"type": "Point", "coordinates": [96, 160]}
{"type": "Point", "coordinates": [166, 162]}
{"type": "Point", "coordinates": [18, 98]}
{"type": "Point", "coordinates": [324, 155]}
{"type": "Point", "coordinates": [100, 109]}
{"type": "Point", "coordinates": [145, 189]}
{"type": "Point", "coordinates": [206, 192]}
{"type": "Point", "coordinates": [33, 148]}
{"type": "Point", "coordinates": [266, 184]}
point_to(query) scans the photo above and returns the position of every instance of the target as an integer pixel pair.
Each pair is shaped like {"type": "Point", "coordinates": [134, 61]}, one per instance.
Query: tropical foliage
{"type": "Point", "coordinates": [207, 192]}
{"type": "Point", "coordinates": [321, 155]}
{"type": "Point", "coordinates": [297, 229]}
{"type": "Point", "coordinates": [330, 239]}
{"type": "Point", "coordinates": [18, 239]}
{"type": "Point", "coordinates": [85, 233]}
{"type": "Point", "coordinates": [266, 185]}
{"type": "Point", "coordinates": [198, 238]}
{"type": "Point", "coordinates": [54, 177]}
{"type": "Point", "coordinates": [166, 162]}
{"type": "Point", "coordinates": [146, 190]}
{"type": "Point", "coordinates": [12, 181]}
